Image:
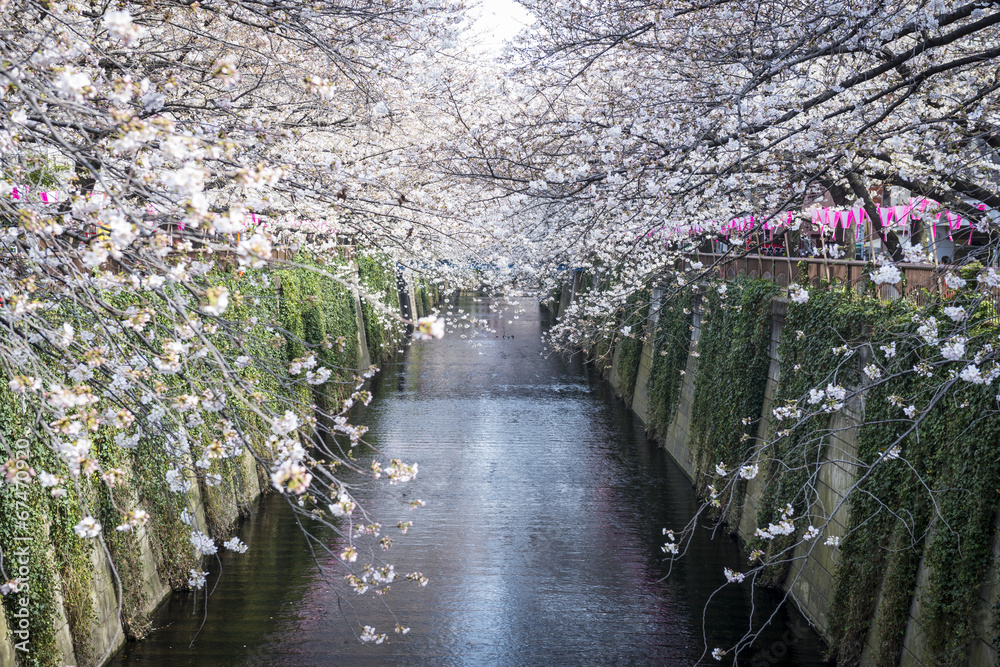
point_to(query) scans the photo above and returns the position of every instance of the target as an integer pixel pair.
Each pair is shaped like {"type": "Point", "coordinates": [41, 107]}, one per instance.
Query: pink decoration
{"type": "Point", "coordinates": [885, 214]}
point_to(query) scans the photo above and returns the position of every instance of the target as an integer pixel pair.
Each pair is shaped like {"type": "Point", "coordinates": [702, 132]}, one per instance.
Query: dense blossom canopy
{"type": "Point", "coordinates": [149, 151]}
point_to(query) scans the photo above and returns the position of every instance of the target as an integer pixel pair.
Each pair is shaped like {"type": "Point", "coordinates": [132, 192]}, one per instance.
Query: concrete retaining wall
{"type": "Point", "coordinates": [640, 401]}
{"type": "Point", "coordinates": [107, 633]}
{"type": "Point", "coordinates": [6, 648]}
{"type": "Point", "coordinates": [812, 578]}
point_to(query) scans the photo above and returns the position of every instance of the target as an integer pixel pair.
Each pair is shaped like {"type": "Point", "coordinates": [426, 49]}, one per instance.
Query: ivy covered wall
{"type": "Point", "coordinates": [630, 338]}
{"type": "Point", "coordinates": [73, 605]}
{"type": "Point", "coordinates": [383, 333]}
{"type": "Point", "coordinates": [909, 583]}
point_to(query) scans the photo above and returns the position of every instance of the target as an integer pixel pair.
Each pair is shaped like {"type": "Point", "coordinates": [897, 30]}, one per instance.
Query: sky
{"type": "Point", "coordinates": [498, 21]}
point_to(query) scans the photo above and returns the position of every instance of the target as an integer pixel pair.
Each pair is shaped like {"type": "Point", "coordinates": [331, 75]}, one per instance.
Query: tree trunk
{"type": "Point", "coordinates": [861, 192]}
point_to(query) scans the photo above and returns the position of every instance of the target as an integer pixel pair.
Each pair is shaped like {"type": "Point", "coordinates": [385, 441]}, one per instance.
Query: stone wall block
{"type": "Point", "coordinates": [6, 647]}
{"type": "Point", "coordinates": [106, 633]}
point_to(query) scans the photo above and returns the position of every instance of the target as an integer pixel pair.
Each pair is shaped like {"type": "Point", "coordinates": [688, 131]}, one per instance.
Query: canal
{"type": "Point", "coordinates": [541, 534]}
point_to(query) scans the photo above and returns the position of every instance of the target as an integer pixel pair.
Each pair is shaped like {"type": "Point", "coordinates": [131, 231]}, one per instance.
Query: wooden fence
{"type": "Point", "coordinates": [920, 281]}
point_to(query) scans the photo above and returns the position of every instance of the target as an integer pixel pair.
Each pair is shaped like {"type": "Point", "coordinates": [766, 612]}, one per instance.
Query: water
{"type": "Point", "coordinates": [541, 536]}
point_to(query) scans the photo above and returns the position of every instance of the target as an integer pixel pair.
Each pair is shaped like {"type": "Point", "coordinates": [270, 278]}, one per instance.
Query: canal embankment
{"type": "Point", "coordinates": [705, 371]}
{"type": "Point", "coordinates": [85, 598]}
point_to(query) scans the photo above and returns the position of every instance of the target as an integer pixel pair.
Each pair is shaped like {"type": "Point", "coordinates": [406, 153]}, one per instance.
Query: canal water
{"type": "Point", "coordinates": [541, 534]}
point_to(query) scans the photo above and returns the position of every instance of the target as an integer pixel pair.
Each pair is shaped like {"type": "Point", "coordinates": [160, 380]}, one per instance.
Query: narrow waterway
{"type": "Point", "coordinates": [541, 535]}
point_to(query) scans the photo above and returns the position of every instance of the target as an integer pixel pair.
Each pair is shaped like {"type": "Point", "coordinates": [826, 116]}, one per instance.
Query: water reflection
{"type": "Point", "coordinates": [541, 535]}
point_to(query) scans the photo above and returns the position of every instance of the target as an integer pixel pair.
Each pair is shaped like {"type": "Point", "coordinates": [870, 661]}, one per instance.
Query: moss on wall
{"type": "Point", "coordinates": [311, 314]}
{"type": "Point", "coordinates": [630, 342]}
{"type": "Point", "coordinates": [670, 353]}
{"type": "Point", "coordinates": [378, 277]}
{"type": "Point", "coordinates": [934, 506]}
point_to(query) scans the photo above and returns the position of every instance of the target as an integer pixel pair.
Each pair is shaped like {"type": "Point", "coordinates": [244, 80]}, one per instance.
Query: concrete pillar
{"type": "Point", "coordinates": [6, 648]}
{"type": "Point", "coordinates": [677, 441]}
{"type": "Point", "coordinates": [565, 296]}
{"type": "Point", "coordinates": [364, 358]}
{"type": "Point", "coordinates": [106, 632]}
{"type": "Point", "coordinates": [406, 306]}
{"type": "Point", "coordinates": [64, 639]}
{"type": "Point", "coordinates": [640, 397]}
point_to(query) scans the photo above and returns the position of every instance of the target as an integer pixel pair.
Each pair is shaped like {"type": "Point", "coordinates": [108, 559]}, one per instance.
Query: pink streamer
{"type": "Point", "coordinates": [885, 214]}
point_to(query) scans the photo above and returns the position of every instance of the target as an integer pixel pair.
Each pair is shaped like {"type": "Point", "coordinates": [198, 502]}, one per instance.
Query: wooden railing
{"type": "Point", "coordinates": [920, 281]}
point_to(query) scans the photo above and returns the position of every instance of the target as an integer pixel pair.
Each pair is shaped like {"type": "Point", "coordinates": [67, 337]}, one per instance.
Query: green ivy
{"type": "Point", "coordinates": [935, 506]}
{"type": "Point", "coordinates": [952, 453]}
{"type": "Point", "coordinates": [734, 357]}
{"type": "Point", "coordinates": [378, 277]}
{"type": "Point", "coordinates": [314, 314]}
{"type": "Point", "coordinates": [123, 546]}
{"type": "Point", "coordinates": [317, 316]}
{"type": "Point", "coordinates": [630, 345]}
{"type": "Point", "coordinates": [23, 513]}
{"type": "Point", "coordinates": [670, 354]}
{"type": "Point", "coordinates": [315, 311]}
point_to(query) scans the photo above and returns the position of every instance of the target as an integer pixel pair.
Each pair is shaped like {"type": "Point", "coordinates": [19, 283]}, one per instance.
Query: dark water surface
{"type": "Point", "coordinates": [541, 535]}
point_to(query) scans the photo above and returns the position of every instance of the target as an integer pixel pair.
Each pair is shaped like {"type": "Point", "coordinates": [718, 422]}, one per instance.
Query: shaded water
{"type": "Point", "coordinates": [541, 535]}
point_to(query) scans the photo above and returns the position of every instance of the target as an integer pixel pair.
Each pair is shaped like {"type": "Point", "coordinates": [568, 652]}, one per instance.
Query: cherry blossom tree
{"type": "Point", "coordinates": [635, 129]}
{"type": "Point", "coordinates": [159, 163]}
{"type": "Point", "coordinates": [147, 150]}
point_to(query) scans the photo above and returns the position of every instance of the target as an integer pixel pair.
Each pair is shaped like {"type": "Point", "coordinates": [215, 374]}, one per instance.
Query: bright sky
{"type": "Point", "coordinates": [498, 21]}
